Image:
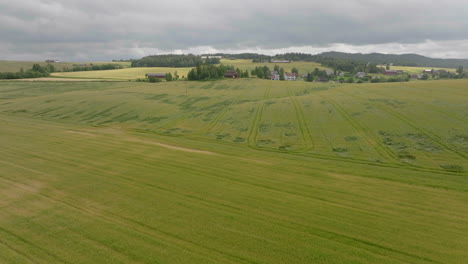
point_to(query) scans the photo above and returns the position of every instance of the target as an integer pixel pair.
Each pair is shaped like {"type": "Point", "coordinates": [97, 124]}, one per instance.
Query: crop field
{"type": "Point", "coordinates": [418, 70]}
{"type": "Point", "coordinates": [233, 171]}
{"type": "Point", "coordinates": [15, 66]}
{"type": "Point", "coordinates": [140, 72]}
{"type": "Point", "coordinates": [122, 74]}
{"type": "Point", "coordinates": [302, 66]}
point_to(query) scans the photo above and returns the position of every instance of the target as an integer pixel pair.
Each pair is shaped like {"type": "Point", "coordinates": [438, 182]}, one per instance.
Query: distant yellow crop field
{"type": "Point", "coordinates": [123, 74]}
{"type": "Point", "coordinates": [418, 70]}
{"type": "Point", "coordinates": [140, 72]}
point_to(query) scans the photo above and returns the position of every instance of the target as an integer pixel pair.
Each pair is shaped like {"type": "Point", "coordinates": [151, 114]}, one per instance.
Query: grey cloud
{"type": "Point", "coordinates": [75, 29]}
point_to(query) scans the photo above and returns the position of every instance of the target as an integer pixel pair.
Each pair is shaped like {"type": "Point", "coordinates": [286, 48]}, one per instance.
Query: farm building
{"type": "Point", "coordinates": [231, 74]}
{"type": "Point", "coordinates": [390, 72]}
{"type": "Point", "coordinates": [156, 75]}
{"type": "Point", "coordinates": [360, 75]}
{"type": "Point", "coordinates": [290, 76]}
{"type": "Point", "coordinates": [440, 71]}
{"type": "Point", "coordinates": [274, 75]}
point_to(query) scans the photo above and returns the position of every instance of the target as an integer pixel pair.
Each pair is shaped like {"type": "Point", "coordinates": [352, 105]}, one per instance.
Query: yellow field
{"type": "Point", "coordinates": [135, 73]}
{"type": "Point", "coordinates": [417, 70]}
{"type": "Point", "coordinates": [123, 74]}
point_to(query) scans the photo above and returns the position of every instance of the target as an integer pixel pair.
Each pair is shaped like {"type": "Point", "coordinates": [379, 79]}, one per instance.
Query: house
{"type": "Point", "coordinates": [360, 75]}
{"type": "Point", "coordinates": [231, 74]}
{"type": "Point", "coordinates": [275, 77]}
{"type": "Point", "coordinates": [390, 72]}
{"type": "Point", "coordinates": [290, 76]}
{"type": "Point", "coordinates": [156, 75]}
{"type": "Point", "coordinates": [280, 61]}
{"type": "Point", "coordinates": [439, 71]}
{"type": "Point", "coordinates": [330, 72]}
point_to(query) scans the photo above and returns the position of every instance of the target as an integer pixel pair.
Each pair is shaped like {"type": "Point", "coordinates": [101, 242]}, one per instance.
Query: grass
{"type": "Point", "coordinates": [233, 171]}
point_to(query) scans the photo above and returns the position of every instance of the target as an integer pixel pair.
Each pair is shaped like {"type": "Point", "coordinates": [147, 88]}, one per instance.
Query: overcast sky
{"type": "Point", "coordinates": [90, 30]}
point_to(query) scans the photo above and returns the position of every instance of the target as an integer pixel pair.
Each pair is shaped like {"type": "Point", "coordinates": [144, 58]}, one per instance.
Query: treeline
{"type": "Point", "coordinates": [100, 67]}
{"type": "Point", "coordinates": [35, 72]}
{"type": "Point", "coordinates": [213, 72]}
{"type": "Point", "coordinates": [173, 61]}
{"type": "Point", "coordinates": [414, 60]}
{"type": "Point", "coordinates": [349, 65]}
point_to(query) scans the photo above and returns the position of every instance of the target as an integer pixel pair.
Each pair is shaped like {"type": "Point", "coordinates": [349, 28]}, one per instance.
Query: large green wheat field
{"type": "Point", "coordinates": [233, 171]}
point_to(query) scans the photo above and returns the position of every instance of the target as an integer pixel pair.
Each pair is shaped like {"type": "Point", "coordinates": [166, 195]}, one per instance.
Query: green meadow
{"type": "Point", "coordinates": [233, 171]}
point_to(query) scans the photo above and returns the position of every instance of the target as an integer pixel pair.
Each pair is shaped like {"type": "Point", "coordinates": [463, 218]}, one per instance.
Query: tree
{"type": "Point", "coordinates": [281, 74]}
{"type": "Point", "coordinates": [37, 68]}
{"type": "Point", "coordinates": [153, 79]}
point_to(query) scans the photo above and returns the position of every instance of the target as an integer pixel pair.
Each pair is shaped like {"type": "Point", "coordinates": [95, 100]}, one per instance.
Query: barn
{"type": "Point", "coordinates": [156, 75]}
{"type": "Point", "coordinates": [231, 74]}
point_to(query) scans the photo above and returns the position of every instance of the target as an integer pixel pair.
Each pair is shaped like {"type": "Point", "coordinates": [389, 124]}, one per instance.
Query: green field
{"type": "Point", "coordinates": [302, 66]}
{"type": "Point", "coordinates": [15, 66]}
{"type": "Point", "coordinates": [233, 171]}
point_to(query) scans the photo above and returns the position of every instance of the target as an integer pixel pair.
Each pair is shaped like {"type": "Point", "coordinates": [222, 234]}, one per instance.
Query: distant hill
{"type": "Point", "coordinates": [400, 60]}
{"type": "Point", "coordinates": [374, 58]}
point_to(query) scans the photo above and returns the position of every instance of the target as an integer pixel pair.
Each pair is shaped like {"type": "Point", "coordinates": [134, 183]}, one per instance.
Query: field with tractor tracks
{"type": "Point", "coordinates": [233, 171]}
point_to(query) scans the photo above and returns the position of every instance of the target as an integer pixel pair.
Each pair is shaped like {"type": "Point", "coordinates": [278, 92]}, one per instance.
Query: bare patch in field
{"type": "Point", "coordinates": [21, 199]}
{"type": "Point", "coordinates": [81, 133]}
{"type": "Point", "coordinates": [170, 146]}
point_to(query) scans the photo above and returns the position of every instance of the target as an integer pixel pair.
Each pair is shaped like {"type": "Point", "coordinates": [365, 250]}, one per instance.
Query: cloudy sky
{"type": "Point", "coordinates": [81, 30]}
